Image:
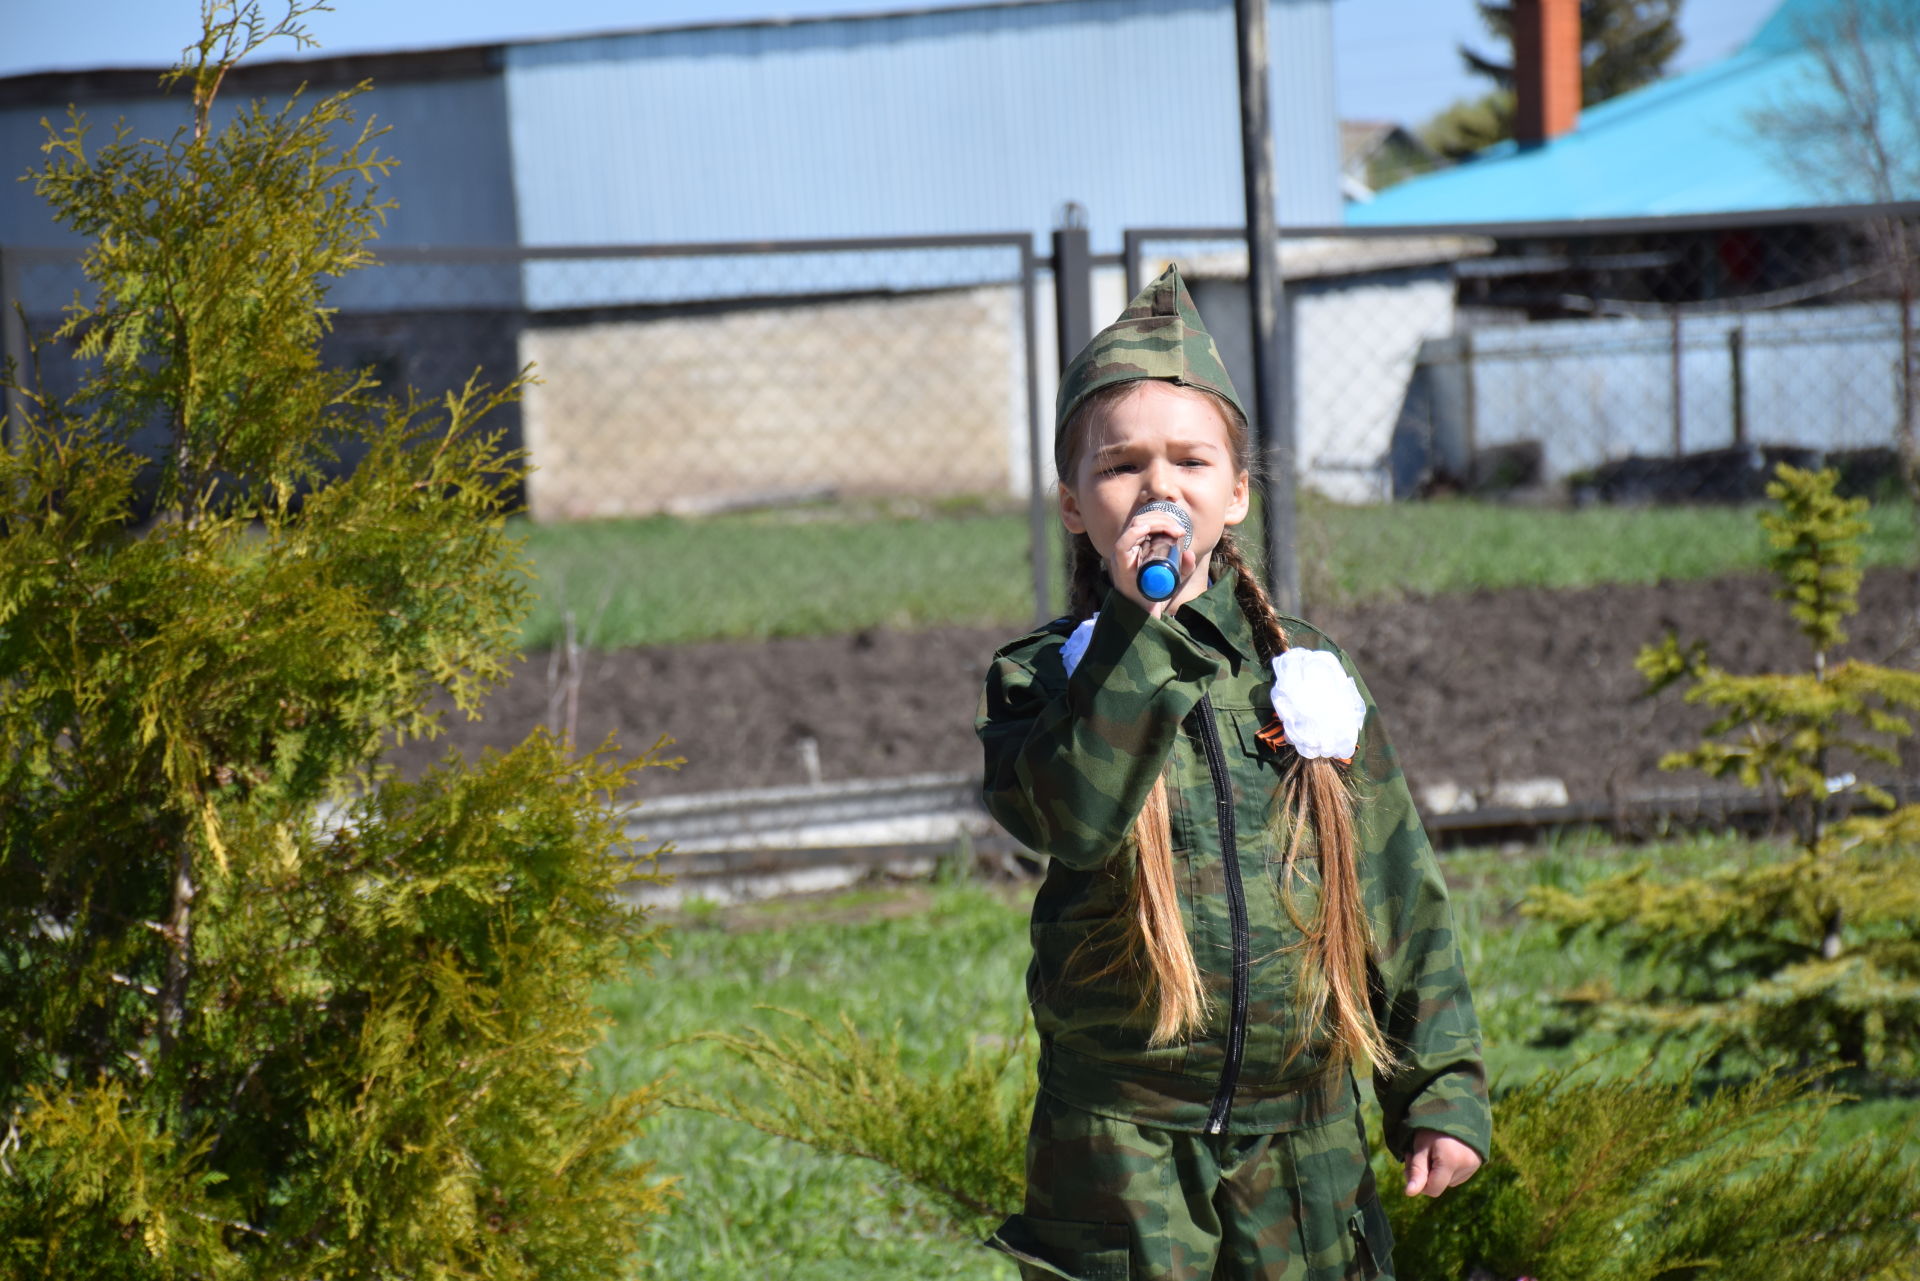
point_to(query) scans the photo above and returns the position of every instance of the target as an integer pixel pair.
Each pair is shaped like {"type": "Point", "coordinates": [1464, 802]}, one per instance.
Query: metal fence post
{"type": "Point", "coordinates": [1272, 392]}
{"type": "Point", "coordinates": [1038, 515]}
{"type": "Point", "coordinates": [1470, 393]}
{"type": "Point", "coordinates": [1072, 290]}
{"type": "Point", "coordinates": [13, 348]}
{"type": "Point", "coordinates": [1909, 447]}
{"type": "Point", "coordinates": [1737, 364]}
{"type": "Point", "coordinates": [1676, 386]}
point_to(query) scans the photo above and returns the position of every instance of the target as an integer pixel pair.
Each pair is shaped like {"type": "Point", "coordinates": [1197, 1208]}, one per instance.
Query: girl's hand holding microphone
{"type": "Point", "coordinates": [1153, 555]}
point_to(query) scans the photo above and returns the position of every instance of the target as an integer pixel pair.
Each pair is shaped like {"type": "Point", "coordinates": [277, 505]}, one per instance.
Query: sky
{"type": "Point", "coordinates": [1394, 59]}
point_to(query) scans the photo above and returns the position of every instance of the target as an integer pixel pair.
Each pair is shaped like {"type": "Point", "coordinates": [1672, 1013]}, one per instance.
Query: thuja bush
{"type": "Point", "coordinates": [959, 1136]}
{"type": "Point", "coordinates": [265, 1010]}
{"type": "Point", "coordinates": [1631, 1178]}
{"type": "Point", "coordinates": [1817, 956]}
{"type": "Point", "coordinates": [1622, 1177]}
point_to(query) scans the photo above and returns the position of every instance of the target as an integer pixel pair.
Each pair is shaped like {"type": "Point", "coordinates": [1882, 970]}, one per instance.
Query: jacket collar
{"type": "Point", "coordinates": [1214, 617]}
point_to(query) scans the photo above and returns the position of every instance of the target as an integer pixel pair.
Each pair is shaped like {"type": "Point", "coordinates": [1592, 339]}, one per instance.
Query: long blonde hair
{"type": "Point", "coordinates": [1312, 801]}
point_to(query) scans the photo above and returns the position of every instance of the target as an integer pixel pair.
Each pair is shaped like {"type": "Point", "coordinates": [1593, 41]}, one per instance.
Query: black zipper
{"type": "Point", "coordinates": [1209, 730]}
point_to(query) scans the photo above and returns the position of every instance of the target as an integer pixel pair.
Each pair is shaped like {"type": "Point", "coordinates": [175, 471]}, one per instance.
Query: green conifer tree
{"type": "Point", "coordinates": [1816, 956]}
{"type": "Point", "coordinates": [265, 1010]}
{"type": "Point", "coordinates": [1470, 124]}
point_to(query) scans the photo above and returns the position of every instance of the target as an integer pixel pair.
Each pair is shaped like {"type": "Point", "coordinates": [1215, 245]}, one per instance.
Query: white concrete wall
{"type": "Point", "coordinates": [916, 395]}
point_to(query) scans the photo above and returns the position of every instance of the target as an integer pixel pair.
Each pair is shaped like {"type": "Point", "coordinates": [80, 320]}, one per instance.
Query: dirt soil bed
{"type": "Point", "coordinates": [1495, 685]}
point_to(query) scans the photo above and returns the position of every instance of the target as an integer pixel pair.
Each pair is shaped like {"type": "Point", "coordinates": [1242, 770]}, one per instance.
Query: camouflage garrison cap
{"type": "Point", "coordinates": [1159, 335]}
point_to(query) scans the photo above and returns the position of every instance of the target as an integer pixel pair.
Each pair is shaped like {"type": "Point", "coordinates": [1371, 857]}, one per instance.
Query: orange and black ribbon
{"type": "Point", "coordinates": [1275, 738]}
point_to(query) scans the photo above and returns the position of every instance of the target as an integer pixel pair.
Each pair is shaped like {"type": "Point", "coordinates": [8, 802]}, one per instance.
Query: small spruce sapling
{"type": "Point", "coordinates": [1815, 957]}
{"type": "Point", "coordinates": [265, 1010]}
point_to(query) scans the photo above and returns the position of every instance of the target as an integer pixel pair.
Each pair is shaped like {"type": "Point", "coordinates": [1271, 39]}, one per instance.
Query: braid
{"type": "Point", "coordinates": [1086, 578]}
{"type": "Point", "coordinates": [1316, 799]}
{"type": "Point", "coordinates": [1154, 941]}
{"type": "Point", "coordinates": [1251, 595]}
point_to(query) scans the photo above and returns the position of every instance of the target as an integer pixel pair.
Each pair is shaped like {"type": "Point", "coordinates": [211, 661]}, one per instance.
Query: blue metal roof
{"type": "Point", "coordinates": [1688, 145]}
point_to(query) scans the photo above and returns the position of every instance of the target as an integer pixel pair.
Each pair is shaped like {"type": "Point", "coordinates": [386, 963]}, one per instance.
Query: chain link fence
{"type": "Point", "coordinates": [820, 438]}
{"type": "Point", "coordinates": [1628, 363]}
{"type": "Point", "coordinates": [1634, 361]}
{"type": "Point", "coordinates": [796, 382]}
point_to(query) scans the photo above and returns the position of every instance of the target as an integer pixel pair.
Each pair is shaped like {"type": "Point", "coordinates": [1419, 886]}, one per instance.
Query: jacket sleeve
{"type": "Point", "coordinates": [1070, 760]}
{"type": "Point", "coordinates": [1420, 996]}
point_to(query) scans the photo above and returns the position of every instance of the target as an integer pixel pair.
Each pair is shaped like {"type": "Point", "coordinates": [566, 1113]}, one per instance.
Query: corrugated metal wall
{"type": "Point", "coordinates": [958, 121]}
{"type": "Point", "coordinates": [946, 121]}
{"type": "Point", "coordinates": [452, 187]}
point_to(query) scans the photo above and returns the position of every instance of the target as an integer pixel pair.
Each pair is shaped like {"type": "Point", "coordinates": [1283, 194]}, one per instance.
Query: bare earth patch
{"type": "Point", "coordinates": [1477, 687]}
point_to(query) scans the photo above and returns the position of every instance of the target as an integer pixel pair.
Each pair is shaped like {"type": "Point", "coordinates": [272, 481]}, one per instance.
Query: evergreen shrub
{"type": "Point", "coordinates": [959, 1136]}
{"type": "Point", "coordinates": [1632, 1178]}
{"type": "Point", "coordinates": [1816, 957]}
{"type": "Point", "coordinates": [265, 1010]}
{"type": "Point", "coordinates": [1605, 1178]}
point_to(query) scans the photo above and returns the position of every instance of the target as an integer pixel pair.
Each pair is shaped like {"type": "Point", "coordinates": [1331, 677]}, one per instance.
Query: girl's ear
{"type": "Point", "coordinates": [1070, 512]}
{"type": "Point", "coordinates": [1238, 505]}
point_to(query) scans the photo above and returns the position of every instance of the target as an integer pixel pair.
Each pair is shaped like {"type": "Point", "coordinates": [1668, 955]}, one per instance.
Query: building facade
{"type": "Point", "coordinates": [990, 117]}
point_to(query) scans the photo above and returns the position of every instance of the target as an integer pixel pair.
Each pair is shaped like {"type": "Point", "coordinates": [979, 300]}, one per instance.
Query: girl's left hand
{"type": "Point", "coordinates": [1437, 1163]}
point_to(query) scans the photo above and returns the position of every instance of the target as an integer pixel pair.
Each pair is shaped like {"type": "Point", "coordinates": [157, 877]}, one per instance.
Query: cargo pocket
{"type": "Point", "coordinates": [1372, 1241]}
{"type": "Point", "coordinates": [1062, 1248]}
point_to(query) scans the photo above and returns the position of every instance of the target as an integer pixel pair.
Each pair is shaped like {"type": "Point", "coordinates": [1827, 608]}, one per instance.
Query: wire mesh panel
{"type": "Point", "coordinates": [1645, 361]}
{"type": "Point", "coordinates": [830, 380]}
{"type": "Point", "coordinates": [718, 382]}
{"type": "Point", "coordinates": [1558, 360]}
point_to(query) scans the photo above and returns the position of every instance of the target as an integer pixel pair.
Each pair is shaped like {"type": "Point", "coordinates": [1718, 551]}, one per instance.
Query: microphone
{"type": "Point", "coordinates": [1160, 575]}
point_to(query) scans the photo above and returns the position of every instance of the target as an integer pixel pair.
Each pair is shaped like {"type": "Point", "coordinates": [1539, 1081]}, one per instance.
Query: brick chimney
{"type": "Point", "coordinates": [1546, 69]}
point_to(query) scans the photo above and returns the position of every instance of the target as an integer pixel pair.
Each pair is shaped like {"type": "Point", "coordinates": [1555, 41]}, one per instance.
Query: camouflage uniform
{"type": "Point", "coordinates": [1217, 1156]}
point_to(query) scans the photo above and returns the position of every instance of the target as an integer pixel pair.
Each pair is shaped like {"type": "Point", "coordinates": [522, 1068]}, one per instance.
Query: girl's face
{"type": "Point", "coordinates": [1161, 443]}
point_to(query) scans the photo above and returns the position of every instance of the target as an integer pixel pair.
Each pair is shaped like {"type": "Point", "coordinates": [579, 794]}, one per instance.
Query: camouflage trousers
{"type": "Point", "coordinates": [1110, 1200]}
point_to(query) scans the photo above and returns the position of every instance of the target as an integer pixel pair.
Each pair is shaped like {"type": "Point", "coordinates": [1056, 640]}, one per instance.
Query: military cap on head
{"type": "Point", "coordinates": [1159, 335]}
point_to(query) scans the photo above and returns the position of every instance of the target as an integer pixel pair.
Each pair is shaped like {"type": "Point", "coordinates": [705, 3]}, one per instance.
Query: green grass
{"type": "Point", "coordinates": [831, 571]}
{"type": "Point", "coordinates": [944, 964]}
{"type": "Point", "coordinates": [667, 580]}
{"type": "Point", "coordinates": [1454, 546]}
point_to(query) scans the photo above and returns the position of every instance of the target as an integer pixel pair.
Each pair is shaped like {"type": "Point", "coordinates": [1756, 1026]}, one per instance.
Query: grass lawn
{"type": "Point", "coordinates": [943, 964]}
{"type": "Point", "coordinates": [831, 570]}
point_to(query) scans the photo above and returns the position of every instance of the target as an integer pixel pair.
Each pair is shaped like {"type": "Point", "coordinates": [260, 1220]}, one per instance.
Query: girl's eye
{"type": "Point", "coordinates": [1119, 469]}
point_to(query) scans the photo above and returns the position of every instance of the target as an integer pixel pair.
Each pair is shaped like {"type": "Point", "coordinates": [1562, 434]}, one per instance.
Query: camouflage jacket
{"type": "Point", "coordinates": [1069, 762]}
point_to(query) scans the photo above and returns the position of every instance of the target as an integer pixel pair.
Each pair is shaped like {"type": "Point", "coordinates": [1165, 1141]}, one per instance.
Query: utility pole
{"type": "Point", "coordinates": [1072, 284]}
{"type": "Point", "coordinates": [1272, 396]}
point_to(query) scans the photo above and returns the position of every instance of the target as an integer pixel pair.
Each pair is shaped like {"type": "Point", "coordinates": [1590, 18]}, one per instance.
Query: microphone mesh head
{"type": "Point", "coordinates": [1176, 511]}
